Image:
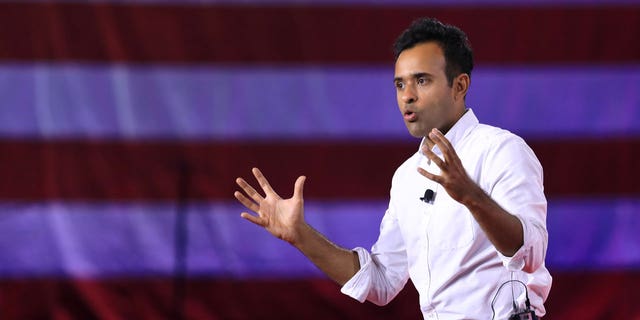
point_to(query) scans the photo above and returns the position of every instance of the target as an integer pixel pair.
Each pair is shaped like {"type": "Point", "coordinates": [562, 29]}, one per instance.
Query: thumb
{"type": "Point", "coordinates": [299, 186]}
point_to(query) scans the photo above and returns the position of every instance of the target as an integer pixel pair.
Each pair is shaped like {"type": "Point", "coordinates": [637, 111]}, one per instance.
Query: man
{"type": "Point", "coordinates": [467, 214]}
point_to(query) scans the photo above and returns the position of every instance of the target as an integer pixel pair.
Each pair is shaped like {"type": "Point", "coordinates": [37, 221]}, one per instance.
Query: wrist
{"type": "Point", "coordinates": [474, 198]}
{"type": "Point", "coordinates": [300, 235]}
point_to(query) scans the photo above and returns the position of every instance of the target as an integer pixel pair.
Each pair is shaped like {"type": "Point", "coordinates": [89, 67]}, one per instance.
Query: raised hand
{"type": "Point", "coordinates": [283, 218]}
{"type": "Point", "coordinates": [453, 177]}
{"type": "Point", "coordinates": [503, 229]}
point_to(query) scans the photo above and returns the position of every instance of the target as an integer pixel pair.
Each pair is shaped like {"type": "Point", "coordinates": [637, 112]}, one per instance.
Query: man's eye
{"type": "Point", "coordinates": [422, 81]}
{"type": "Point", "coordinates": [399, 85]}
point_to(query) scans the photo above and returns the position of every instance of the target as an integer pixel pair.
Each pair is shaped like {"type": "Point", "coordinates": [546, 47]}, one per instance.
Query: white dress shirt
{"type": "Point", "coordinates": [440, 246]}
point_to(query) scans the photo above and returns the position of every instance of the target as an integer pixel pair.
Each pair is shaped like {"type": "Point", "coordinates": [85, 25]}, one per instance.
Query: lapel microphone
{"type": "Point", "coordinates": [429, 196]}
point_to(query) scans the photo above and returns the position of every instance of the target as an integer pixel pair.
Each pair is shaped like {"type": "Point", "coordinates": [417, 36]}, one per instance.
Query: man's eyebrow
{"type": "Point", "coordinates": [421, 74]}
{"type": "Point", "coordinates": [414, 76]}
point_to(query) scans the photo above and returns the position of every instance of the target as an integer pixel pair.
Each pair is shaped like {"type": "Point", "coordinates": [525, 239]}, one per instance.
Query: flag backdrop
{"type": "Point", "coordinates": [123, 125]}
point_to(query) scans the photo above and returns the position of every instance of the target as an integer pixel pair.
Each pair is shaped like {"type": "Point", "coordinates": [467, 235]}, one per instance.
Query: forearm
{"type": "Point", "coordinates": [503, 229]}
{"type": "Point", "coordinates": [337, 263]}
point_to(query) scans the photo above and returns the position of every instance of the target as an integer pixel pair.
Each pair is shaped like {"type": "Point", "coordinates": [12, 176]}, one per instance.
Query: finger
{"type": "Point", "coordinates": [433, 157]}
{"type": "Point", "coordinates": [443, 143]}
{"type": "Point", "coordinates": [255, 219]}
{"type": "Point", "coordinates": [438, 135]}
{"type": "Point", "coordinates": [299, 186]}
{"type": "Point", "coordinates": [264, 184]}
{"type": "Point", "coordinates": [249, 190]}
{"type": "Point", "coordinates": [246, 201]}
{"type": "Point", "coordinates": [430, 175]}
{"type": "Point", "coordinates": [448, 151]}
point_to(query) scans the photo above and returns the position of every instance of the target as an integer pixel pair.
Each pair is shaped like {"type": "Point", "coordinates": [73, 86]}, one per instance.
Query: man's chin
{"type": "Point", "coordinates": [416, 133]}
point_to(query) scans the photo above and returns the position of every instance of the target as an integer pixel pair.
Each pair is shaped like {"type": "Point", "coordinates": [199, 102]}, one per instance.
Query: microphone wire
{"type": "Point", "coordinates": [526, 293]}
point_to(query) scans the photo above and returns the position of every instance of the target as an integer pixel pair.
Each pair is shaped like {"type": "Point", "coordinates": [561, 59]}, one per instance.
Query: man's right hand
{"type": "Point", "coordinates": [284, 218]}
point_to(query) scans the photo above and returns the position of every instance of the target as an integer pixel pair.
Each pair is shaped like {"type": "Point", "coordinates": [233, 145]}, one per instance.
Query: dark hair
{"type": "Point", "coordinates": [453, 41]}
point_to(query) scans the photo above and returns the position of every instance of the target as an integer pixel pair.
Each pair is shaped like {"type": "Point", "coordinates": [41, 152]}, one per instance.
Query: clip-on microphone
{"type": "Point", "coordinates": [527, 314]}
{"type": "Point", "coordinates": [429, 196]}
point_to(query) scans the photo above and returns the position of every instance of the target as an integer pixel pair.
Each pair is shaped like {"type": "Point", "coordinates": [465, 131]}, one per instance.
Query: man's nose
{"type": "Point", "coordinates": [409, 95]}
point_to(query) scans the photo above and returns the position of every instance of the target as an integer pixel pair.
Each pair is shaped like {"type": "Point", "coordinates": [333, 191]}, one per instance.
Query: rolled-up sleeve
{"type": "Point", "coordinates": [518, 188]}
{"type": "Point", "coordinates": [358, 286]}
{"type": "Point", "coordinates": [383, 272]}
{"type": "Point", "coordinates": [532, 253]}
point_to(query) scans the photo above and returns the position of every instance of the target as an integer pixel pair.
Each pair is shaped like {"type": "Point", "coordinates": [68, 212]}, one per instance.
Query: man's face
{"type": "Point", "coordinates": [425, 99]}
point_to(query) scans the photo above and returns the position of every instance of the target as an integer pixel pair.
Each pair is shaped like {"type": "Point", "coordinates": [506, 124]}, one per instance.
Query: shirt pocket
{"type": "Point", "coordinates": [450, 225]}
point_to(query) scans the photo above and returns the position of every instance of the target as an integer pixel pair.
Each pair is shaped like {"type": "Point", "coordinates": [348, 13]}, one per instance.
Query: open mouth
{"type": "Point", "coordinates": [410, 116]}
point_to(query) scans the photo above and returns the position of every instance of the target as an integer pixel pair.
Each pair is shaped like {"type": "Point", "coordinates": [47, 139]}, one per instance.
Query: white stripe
{"type": "Point", "coordinates": [102, 240]}
{"type": "Point", "coordinates": [112, 239]}
{"type": "Point", "coordinates": [215, 102]}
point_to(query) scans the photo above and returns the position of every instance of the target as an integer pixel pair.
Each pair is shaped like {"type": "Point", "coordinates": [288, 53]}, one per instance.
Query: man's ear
{"type": "Point", "coordinates": [461, 86]}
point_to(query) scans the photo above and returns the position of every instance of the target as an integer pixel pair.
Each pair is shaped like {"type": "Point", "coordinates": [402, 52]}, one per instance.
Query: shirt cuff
{"type": "Point", "coordinates": [358, 286]}
{"type": "Point", "coordinates": [518, 260]}
{"type": "Point", "coordinates": [515, 262]}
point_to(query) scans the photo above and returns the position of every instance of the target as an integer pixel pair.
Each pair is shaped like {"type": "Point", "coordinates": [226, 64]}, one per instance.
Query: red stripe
{"type": "Point", "coordinates": [155, 298]}
{"type": "Point", "coordinates": [604, 167]}
{"type": "Point", "coordinates": [580, 295]}
{"type": "Point", "coordinates": [313, 34]}
{"type": "Point", "coordinates": [36, 170]}
{"type": "Point", "coordinates": [131, 170]}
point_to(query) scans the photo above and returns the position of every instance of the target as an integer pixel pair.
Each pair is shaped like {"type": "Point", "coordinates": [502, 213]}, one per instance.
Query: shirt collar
{"type": "Point", "coordinates": [459, 130]}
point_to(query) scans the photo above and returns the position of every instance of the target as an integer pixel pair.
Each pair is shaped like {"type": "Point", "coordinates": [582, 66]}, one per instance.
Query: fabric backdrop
{"type": "Point", "coordinates": [123, 125]}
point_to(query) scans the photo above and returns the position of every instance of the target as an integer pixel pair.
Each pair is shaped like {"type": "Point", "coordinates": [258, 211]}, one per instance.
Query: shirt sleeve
{"type": "Point", "coordinates": [358, 286]}
{"type": "Point", "coordinates": [383, 272]}
{"type": "Point", "coordinates": [528, 257]}
{"type": "Point", "coordinates": [518, 188]}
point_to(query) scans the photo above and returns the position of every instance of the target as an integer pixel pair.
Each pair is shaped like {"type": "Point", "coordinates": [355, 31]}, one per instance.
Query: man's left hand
{"type": "Point", "coordinates": [453, 177]}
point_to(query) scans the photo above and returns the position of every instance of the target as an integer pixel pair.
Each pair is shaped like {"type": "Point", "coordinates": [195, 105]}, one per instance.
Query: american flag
{"type": "Point", "coordinates": [123, 125]}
